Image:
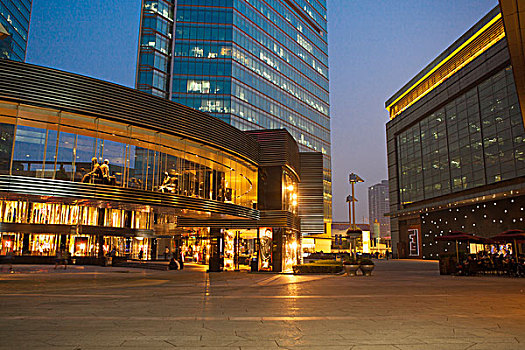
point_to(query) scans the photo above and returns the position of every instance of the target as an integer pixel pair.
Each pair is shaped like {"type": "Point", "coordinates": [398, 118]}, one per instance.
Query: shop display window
{"type": "Point", "coordinates": [265, 248]}
{"type": "Point", "coordinates": [23, 212]}
{"type": "Point", "coordinates": [239, 248]}
{"type": "Point", "coordinates": [138, 245]}
{"type": "Point", "coordinates": [195, 246]}
{"type": "Point", "coordinates": [291, 252]}
{"type": "Point", "coordinates": [229, 250]}
{"type": "Point", "coordinates": [44, 245]}
{"type": "Point", "coordinates": [10, 243]}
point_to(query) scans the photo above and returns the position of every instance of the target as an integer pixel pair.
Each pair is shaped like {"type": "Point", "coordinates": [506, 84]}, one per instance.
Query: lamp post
{"type": "Point", "coordinates": [351, 199]}
{"type": "Point", "coordinates": [353, 179]}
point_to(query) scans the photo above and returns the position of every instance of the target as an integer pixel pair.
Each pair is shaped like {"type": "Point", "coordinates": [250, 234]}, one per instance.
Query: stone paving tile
{"type": "Point", "coordinates": [374, 347]}
{"type": "Point", "coordinates": [437, 346]}
{"type": "Point", "coordinates": [497, 347]}
{"type": "Point", "coordinates": [405, 305]}
{"type": "Point", "coordinates": [312, 341]}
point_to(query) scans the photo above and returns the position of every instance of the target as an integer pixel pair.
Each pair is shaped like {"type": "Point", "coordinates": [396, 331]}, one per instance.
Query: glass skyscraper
{"type": "Point", "coordinates": [14, 27]}
{"type": "Point", "coordinates": [254, 64]}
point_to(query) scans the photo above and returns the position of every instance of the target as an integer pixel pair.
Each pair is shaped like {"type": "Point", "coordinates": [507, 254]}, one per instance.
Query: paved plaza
{"type": "Point", "coordinates": [404, 305]}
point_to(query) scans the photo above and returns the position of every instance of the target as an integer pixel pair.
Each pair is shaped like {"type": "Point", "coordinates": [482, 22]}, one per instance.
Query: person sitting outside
{"type": "Point", "coordinates": [471, 266]}
{"type": "Point", "coordinates": [174, 264]}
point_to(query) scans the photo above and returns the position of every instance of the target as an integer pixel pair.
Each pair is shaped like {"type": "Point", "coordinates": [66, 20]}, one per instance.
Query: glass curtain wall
{"type": "Point", "coordinates": [257, 65]}
{"type": "Point", "coordinates": [14, 17]}
{"type": "Point", "coordinates": [475, 140]}
{"type": "Point", "coordinates": [156, 45]}
{"type": "Point", "coordinates": [37, 142]}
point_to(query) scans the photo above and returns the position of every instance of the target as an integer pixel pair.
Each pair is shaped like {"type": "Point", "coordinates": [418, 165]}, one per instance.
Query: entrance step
{"type": "Point", "coordinates": [142, 265]}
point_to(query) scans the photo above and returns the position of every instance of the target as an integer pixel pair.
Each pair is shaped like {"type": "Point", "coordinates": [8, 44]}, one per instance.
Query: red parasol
{"type": "Point", "coordinates": [463, 237]}
{"type": "Point", "coordinates": [510, 236]}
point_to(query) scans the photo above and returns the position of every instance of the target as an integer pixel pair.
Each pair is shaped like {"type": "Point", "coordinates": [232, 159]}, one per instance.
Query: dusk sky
{"type": "Point", "coordinates": [375, 47]}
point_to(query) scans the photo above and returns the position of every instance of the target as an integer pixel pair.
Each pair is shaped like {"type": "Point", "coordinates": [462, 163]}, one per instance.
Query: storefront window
{"type": "Point", "coordinates": [83, 154]}
{"type": "Point", "coordinates": [78, 148]}
{"type": "Point", "coordinates": [29, 151]}
{"type": "Point", "coordinates": [65, 156]}
{"type": "Point", "coordinates": [290, 252]}
{"type": "Point", "coordinates": [229, 250]}
{"type": "Point", "coordinates": [196, 246]}
{"type": "Point", "coordinates": [42, 245]}
{"type": "Point", "coordinates": [6, 147]}
{"type": "Point", "coordinates": [265, 248]}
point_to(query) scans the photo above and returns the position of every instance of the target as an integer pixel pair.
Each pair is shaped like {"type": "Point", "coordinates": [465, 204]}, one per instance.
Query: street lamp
{"type": "Point", "coordinates": [353, 179]}
{"type": "Point", "coordinates": [350, 200]}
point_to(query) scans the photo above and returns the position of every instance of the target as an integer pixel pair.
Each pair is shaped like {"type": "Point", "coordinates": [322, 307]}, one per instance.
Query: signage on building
{"type": "Point", "coordinates": [413, 242]}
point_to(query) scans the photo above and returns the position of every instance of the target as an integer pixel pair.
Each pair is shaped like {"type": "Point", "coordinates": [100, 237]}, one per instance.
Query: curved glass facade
{"type": "Point", "coordinates": [48, 143]}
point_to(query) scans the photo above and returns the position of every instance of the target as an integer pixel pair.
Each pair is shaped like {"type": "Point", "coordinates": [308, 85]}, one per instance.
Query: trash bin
{"type": "Point", "coordinates": [108, 261]}
{"type": "Point", "coordinates": [254, 264]}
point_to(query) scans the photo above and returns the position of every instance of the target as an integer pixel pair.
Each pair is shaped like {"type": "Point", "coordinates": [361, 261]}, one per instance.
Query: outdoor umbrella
{"type": "Point", "coordinates": [461, 237]}
{"type": "Point", "coordinates": [511, 236]}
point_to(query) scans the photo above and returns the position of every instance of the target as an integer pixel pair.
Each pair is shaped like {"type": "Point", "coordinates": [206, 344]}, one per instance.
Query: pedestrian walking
{"type": "Point", "coordinates": [141, 253]}
{"type": "Point", "coordinates": [61, 259]}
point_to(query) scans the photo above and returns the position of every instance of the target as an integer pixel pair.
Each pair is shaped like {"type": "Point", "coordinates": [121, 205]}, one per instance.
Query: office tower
{"type": "Point", "coordinates": [378, 206]}
{"type": "Point", "coordinates": [253, 64]}
{"type": "Point", "coordinates": [14, 27]}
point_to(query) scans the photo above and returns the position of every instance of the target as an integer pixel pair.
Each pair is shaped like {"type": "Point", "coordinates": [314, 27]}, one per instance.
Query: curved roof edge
{"type": "Point", "coordinates": [476, 27]}
{"type": "Point", "coordinates": [47, 87]}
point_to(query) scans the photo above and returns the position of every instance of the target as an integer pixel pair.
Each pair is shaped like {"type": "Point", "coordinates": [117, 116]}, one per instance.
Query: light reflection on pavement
{"type": "Point", "coordinates": [404, 305]}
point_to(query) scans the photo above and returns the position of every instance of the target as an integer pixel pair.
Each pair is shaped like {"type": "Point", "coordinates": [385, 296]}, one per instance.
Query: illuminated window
{"type": "Point", "coordinates": [200, 86]}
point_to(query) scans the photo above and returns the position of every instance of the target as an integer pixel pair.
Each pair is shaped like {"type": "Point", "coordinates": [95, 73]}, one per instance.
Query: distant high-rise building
{"type": "Point", "coordinates": [14, 27]}
{"type": "Point", "coordinates": [378, 206]}
{"type": "Point", "coordinates": [253, 64]}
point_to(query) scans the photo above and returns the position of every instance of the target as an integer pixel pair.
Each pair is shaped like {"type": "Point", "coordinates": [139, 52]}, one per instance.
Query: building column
{"type": "Point", "coordinates": [216, 258]}
{"type": "Point", "coordinates": [277, 249]}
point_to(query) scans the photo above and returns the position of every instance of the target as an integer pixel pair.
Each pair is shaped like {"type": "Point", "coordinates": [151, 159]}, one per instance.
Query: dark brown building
{"type": "Point", "coordinates": [456, 141]}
